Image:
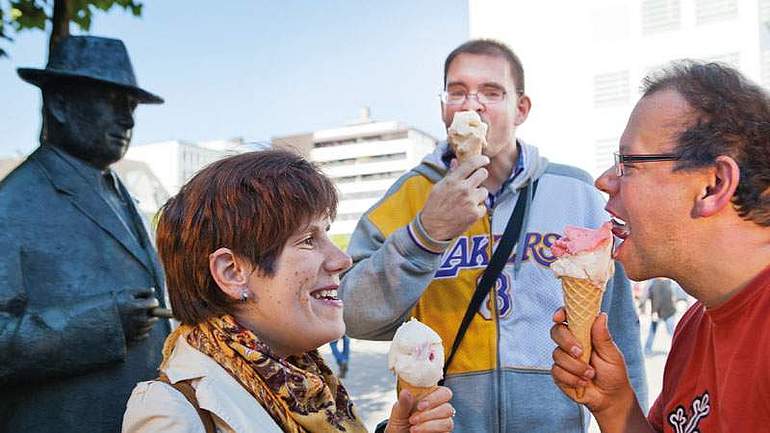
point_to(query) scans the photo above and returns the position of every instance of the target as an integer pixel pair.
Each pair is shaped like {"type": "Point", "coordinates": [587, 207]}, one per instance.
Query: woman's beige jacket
{"type": "Point", "coordinates": [157, 407]}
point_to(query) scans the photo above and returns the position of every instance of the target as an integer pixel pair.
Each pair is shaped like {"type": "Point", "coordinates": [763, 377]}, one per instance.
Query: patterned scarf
{"type": "Point", "coordinates": [300, 392]}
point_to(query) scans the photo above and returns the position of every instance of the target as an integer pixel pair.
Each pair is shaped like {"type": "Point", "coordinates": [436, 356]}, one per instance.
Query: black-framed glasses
{"type": "Point", "coordinates": [621, 159]}
{"type": "Point", "coordinates": [484, 96]}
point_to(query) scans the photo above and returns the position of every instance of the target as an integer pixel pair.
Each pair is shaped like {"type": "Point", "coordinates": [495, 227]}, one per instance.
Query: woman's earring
{"type": "Point", "coordinates": [244, 294]}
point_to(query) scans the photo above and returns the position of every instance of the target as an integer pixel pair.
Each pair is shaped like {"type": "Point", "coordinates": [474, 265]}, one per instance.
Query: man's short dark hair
{"type": "Point", "coordinates": [730, 116]}
{"type": "Point", "coordinates": [490, 47]}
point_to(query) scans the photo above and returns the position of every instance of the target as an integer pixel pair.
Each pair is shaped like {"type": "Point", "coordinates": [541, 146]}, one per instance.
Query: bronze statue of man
{"type": "Point", "coordinates": [78, 273]}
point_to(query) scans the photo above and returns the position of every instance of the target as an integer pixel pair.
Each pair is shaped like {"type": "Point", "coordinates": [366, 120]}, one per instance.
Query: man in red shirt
{"type": "Point", "coordinates": [690, 197]}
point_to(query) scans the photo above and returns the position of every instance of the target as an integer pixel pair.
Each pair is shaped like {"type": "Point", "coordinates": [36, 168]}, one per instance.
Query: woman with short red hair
{"type": "Point", "coordinates": [252, 277]}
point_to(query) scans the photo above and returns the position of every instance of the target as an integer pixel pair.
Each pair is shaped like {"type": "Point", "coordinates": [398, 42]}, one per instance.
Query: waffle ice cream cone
{"type": "Point", "coordinates": [467, 135]}
{"type": "Point", "coordinates": [582, 300]}
{"type": "Point", "coordinates": [417, 391]}
{"type": "Point", "coordinates": [584, 265]}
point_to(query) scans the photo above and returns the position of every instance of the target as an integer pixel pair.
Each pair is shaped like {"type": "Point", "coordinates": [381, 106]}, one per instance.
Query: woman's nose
{"type": "Point", "coordinates": [338, 261]}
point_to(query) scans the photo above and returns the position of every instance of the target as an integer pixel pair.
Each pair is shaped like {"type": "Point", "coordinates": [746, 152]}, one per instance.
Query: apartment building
{"type": "Point", "coordinates": [363, 159]}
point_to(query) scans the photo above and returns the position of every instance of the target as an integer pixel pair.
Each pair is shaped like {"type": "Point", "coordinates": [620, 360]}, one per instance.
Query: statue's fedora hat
{"type": "Point", "coordinates": [90, 58]}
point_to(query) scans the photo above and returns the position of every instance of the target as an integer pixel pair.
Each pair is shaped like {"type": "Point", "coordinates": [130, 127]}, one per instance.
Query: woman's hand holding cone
{"type": "Point", "coordinates": [431, 414]}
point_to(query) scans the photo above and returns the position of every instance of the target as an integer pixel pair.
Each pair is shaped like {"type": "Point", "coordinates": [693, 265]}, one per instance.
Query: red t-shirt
{"type": "Point", "coordinates": [717, 376]}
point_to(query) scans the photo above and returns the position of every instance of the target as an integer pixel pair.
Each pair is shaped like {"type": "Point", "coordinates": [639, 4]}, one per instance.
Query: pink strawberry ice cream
{"type": "Point", "coordinates": [584, 253]}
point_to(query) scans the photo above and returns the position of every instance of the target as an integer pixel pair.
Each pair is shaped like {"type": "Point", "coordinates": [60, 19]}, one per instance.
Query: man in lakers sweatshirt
{"type": "Point", "coordinates": [421, 250]}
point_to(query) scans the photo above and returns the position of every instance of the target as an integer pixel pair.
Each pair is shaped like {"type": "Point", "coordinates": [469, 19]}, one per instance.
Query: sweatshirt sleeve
{"type": "Point", "coordinates": [387, 278]}
{"type": "Point", "coordinates": [623, 323]}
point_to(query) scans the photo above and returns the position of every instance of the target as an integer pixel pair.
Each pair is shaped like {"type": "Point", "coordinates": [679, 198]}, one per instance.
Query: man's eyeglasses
{"type": "Point", "coordinates": [484, 96]}
{"type": "Point", "coordinates": [621, 159]}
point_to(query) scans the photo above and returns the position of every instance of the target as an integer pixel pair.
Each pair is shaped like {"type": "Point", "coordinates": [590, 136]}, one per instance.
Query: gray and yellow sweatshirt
{"type": "Point", "coordinates": [500, 375]}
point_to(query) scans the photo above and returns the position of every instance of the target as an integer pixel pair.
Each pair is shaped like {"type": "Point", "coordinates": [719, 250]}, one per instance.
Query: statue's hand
{"type": "Point", "coordinates": [134, 306]}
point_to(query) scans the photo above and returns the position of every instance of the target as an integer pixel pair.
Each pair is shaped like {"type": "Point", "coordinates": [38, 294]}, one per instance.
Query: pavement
{"type": "Point", "coordinates": [372, 386]}
{"type": "Point", "coordinates": [369, 382]}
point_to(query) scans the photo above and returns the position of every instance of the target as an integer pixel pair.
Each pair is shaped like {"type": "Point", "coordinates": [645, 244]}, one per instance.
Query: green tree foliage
{"type": "Point", "coordinates": [19, 15]}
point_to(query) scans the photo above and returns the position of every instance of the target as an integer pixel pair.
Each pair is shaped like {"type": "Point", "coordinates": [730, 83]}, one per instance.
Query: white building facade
{"type": "Point", "coordinates": [175, 162]}
{"type": "Point", "coordinates": [363, 160]}
{"type": "Point", "coordinates": [144, 186]}
{"type": "Point", "coordinates": [584, 61]}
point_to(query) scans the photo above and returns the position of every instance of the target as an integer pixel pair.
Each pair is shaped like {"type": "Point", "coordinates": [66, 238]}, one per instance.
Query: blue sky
{"type": "Point", "coordinates": [257, 69]}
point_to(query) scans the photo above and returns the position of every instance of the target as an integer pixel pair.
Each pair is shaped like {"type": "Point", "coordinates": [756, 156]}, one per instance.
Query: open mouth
{"type": "Point", "coordinates": [326, 295]}
{"type": "Point", "coordinates": [619, 228]}
{"type": "Point", "coordinates": [621, 231]}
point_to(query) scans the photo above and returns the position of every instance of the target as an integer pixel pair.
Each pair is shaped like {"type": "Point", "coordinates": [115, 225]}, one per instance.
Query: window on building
{"type": "Point", "coordinates": [611, 89]}
{"type": "Point", "coordinates": [337, 163]}
{"type": "Point", "coordinates": [382, 158]}
{"type": "Point", "coordinates": [367, 177]}
{"type": "Point", "coordinates": [604, 148]}
{"type": "Point", "coordinates": [707, 11]}
{"type": "Point", "coordinates": [333, 143]}
{"type": "Point", "coordinates": [363, 194]}
{"type": "Point", "coordinates": [384, 175]}
{"type": "Point", "coordinates": [396, 135]}
{"type": "Point", "coordinates": [764, 12]}
{"type": "Point", "coordinates": [385, 136]}
{"type": "Point", "coordinates": [348, 216]}
{"type": "Point", "coordinates": [660, 16]}
{"type": "Point", "coordinates": [363, 160]}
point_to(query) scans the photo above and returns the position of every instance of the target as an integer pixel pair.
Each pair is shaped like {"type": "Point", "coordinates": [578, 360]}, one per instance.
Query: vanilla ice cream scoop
{"type": "Point", "coordinates": [467, 134]}
{"type": "Point", "coordinates": [585, 253]}
{"type": "Point", "coordinates": [417, 355]}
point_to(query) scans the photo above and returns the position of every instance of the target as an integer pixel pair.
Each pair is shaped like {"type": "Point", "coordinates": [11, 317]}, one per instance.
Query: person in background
{"type": "Point", "coordinates": [662, 309]}
{"type": "Point", "coordinates": [342, 357]}
{"type": "Point", "coordinates": [253, 277]}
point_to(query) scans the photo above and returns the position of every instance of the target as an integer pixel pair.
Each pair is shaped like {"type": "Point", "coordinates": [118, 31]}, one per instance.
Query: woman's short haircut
{"type": "Point", "coordinates": [251, 203]}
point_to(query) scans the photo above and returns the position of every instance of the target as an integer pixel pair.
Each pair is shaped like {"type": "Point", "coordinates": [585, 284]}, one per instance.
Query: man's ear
{"type": "Point", "coordinates": [723, 180]}
{"type": "Point", "coordinates": [229, 272]}
{"type": "Point", "coordinates": [523, 105]}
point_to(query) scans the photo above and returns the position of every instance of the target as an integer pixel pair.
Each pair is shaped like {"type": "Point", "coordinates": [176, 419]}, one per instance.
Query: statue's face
{"type": "Point", "coordinates": [95, 122]}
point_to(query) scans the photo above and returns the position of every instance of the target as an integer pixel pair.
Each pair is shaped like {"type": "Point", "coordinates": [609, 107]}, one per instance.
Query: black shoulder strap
{"type": "Point", "coordinates": [496, 264]}
{"type": "Point", "coordinates": [188, 392]}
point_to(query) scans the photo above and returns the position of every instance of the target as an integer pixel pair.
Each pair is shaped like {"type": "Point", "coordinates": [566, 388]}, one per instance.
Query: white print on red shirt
{"type": "Point", "coordinates": [680, 421]}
